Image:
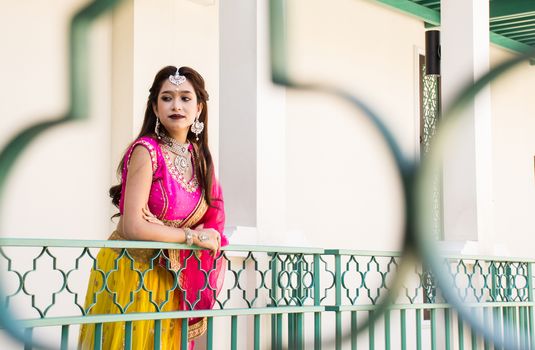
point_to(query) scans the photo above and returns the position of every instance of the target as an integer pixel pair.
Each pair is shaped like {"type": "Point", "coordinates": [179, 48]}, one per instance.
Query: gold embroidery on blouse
{"type": "Point", "coordinates": [173, 223]}
{"type": "Point", "coordinates": [164, 198]}
{"type": "Point", "coordinates": [152, 152]}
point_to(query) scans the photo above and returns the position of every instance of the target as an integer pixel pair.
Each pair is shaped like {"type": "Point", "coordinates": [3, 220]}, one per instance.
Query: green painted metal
{"type": "Point", "coordinates": [300, 331]}
{"type": "Point", "coordinates": [433, 329]}
{"type": "Point", "coordinates": [338, 299]}
{"type": "Point", "coordinates": [460, 332]}
{"type": "Point", "coordinates": [338, 330]}
{"type": "Point", "coordinates": [371, 333]}
{"type": "Point", "coordinates": [447, 324]}
{"type": "Point", "coordinates": [486, 321]}
{"type": "Point", "coordinates": [411, 8]}
{"type": "Point", "coordinates": [425, 306]}
{"type": "Point", "coordinates": [184, 334]}
{"type": "Point", "coordinates": [234, 332]}
{"type": "Point", "coordinates": [514, 328]}
{"type": "Point", "coordinates": [523, 35]}
{"type": "Point", "coordinates": [525, 330]}
{"type": "Point", "coordinates": [529, 285]}
{"type": "Point", "coordinates": [97, 341]}
{"type": "Point", "coordinates": [473, 337]}
{"type": "Point", "coordinates": [210, 332]}
{"type": "Point", "coordinates": [257, 332]}
{"type": "Point", "coordinates": [157, 334]}
{"type": "Point", "coordinates": [387, 330]}
{"type": "Point", "coordinates": [64, 337]}
{"type": "Point", "coordinates": [317, 302]}
{"type": "Point", "coordinates": [28, 336]}
{"type": "Point", "coordinates": [79, 243]}
{"type": "Point", "coordinates": [527, 334]}
{"type": "Point", "coordinates": [317, 331]}
{"type": "Point", "coordinates": [296, 288]}
{"type": "Point", "coordinates": [277, 36]}
{"type": "Point", "coordinates": [498, 321]}
{"type": "Point", "coordinates": [509, 44]}
{"type": "Point", "coordinates": [291, 331]}
{"type": "Point", "coordinates": [162, 315]}
{"type": "Point", "coordinates": [370, 253]}
{"type": "Point", "coordinates": [500, 9]}
{"type": "Point", "coordinates": [128, 335]}
{"type": "Point", "coordinates": [522, 326]}
{"type": "Point", "coordinates": [273, 332]}
{"type": "Point", "coordinates": [506, 322]}
{"type": "Point", "coordinates": [403, 329]}
{"type": "Point", "coordinates": [418, 329]}
{"type": "Point", "coordinates": [278, 341]}
{"type": "Point", "coordinates": [503, 285]}
{"type": "Point", "coordinates": [512, 30]}
{"type": "Point", "coordinates": [498, 24]}
{"type": "Point", "coordinates": [353, 330]}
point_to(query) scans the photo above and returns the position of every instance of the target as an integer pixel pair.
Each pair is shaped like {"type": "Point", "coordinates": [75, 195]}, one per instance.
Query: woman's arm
{"type": "Point", "coordinates": [137, 189]}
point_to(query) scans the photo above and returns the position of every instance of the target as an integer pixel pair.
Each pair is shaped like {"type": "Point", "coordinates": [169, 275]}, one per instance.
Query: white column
{"type": "Point", "coordinates": [271, 133]}
{"type": "Point", "coordinates": [238, 124]}
{"type": "Point", "coordinates": [467, 164]}
{"type": "Point", "coordinates": [252, 126]}
{"type": "Point", "coordinates": [122, 121]}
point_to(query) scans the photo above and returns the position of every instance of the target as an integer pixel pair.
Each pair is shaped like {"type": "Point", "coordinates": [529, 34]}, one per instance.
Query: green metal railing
{"type": "Point", "coordinates": [292, 297]}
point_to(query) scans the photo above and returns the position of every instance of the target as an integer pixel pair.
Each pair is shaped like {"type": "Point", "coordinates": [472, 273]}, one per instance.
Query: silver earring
{"type": "Point", "coordinates": [157, 129]}
{"type": "Point", "coordinates": [197, 127]}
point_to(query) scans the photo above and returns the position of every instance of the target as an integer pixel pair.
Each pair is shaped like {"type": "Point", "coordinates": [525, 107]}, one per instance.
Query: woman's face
{"type": "Point", "coordinates": [177, 106]}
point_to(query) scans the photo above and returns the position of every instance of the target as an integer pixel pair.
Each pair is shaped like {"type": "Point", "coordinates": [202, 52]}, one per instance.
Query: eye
{"type": "Point", "coordinates": [186, 99]}
{"type": "Point", "coordinates": [166, 98]}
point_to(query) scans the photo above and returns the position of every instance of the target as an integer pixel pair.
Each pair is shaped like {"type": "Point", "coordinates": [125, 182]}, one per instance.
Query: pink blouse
{"type": "Point", "coordinates": [172, 199]}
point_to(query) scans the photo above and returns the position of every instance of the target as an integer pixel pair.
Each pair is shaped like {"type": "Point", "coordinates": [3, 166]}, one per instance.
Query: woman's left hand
{"type": "Point", "coordinates": [150, 217]}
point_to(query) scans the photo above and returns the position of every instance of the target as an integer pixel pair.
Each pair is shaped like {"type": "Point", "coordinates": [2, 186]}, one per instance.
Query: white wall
{"type": "Point", "coordinates": [180, 33]}
{"type": "Point", "coordinates": [58, 187]}
{"type": "Point", "coordinates": [342, 187]}
{"type": "Point", "coordinates": [513, 114]}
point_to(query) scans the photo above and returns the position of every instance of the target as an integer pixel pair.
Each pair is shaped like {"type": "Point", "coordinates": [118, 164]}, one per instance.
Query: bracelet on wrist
{"type": "Point", "coordinates": [189, 236]}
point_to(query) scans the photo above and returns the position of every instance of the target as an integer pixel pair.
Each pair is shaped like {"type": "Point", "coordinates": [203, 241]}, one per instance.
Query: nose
{"type": "Point", "coordinates": [177, 105]}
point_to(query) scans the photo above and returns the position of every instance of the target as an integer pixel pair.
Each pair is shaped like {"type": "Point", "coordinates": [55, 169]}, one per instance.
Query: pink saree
{"type": "Point", "coordinates": [180, 203]}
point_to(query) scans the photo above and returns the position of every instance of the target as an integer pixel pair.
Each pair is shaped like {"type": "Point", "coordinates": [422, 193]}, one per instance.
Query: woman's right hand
{"type": "Point", "coordinates": [208, 238]}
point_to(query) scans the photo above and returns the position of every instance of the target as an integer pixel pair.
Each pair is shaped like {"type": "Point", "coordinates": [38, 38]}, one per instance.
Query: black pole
{"type": "Point", "coordinates": [432, 52]}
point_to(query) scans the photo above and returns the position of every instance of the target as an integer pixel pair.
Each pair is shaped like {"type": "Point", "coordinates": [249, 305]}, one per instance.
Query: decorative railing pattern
{"type": "Point", "coordinates": [47, 280]}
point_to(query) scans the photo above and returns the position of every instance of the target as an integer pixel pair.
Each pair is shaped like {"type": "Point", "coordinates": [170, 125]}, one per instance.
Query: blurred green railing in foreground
{"type": "Point", "coordinates": [287, 297]}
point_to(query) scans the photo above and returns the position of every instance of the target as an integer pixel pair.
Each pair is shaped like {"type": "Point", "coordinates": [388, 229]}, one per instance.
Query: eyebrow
{"type": "Point", "coordinates": [173, 92]}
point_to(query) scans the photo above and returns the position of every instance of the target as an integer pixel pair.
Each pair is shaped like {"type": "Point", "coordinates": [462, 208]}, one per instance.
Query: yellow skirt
{"type": "Point", "coordinates": [124, 284]}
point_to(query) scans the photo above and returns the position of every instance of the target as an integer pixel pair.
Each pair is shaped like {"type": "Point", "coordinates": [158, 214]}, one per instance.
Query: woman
{"type": "Point", "coordinates": [168, 193]}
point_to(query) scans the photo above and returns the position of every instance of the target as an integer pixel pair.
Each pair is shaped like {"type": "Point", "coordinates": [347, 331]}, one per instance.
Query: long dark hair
{"type": "Point", "coordinates": [204, 167]}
